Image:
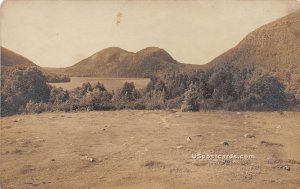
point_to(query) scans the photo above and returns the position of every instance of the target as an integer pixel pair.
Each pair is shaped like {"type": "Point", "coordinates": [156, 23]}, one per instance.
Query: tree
{"type": "Point", "coordinates": [126, 96]}
{"type": "Point", "coordinates": [97, 100]}
{"type": "Point", "coordinates": [191, 98]}
{"type": "Point", "coordinates": [85, 88]}
{"type": "Point", "coordinates": [162, 98]}
{"type": "Point", "coordinates": [56, 78]}
{"type": "Point", "coordinates": [58, 95]}
{"type": "Point", "coordinates": [127, 93]}
{"type": "Point", "coordinates": [265, 93]}
{"type": "Point", "coordinates": [223, 86]}
{"type": "Point", "coordinates": [23, 85]}
{"type": "Point", "coordinates": [99, 86]}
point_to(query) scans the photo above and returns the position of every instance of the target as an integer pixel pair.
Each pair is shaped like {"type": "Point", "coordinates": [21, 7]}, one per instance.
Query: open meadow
{"type": "Point", "coordinates": [150, 149]}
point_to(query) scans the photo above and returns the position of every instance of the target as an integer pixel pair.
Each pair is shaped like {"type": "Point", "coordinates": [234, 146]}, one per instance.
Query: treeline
{"type": "Point", "coordinates": [226, 87]}
{"type": "Point", "coordinates": [56, 78]}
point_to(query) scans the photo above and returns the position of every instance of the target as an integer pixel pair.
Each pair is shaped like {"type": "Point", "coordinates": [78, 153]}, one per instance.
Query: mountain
{"type": "Point", "coordinates": [10, 58]}
{"type": "Point", "coordinates": [117, 62]}
{"type": "Point", "coordinates": [273, 48]}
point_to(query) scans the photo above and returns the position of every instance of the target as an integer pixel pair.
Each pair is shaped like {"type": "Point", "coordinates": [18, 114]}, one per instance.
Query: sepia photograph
{"type": "Point", "coordinates": [150, 94]}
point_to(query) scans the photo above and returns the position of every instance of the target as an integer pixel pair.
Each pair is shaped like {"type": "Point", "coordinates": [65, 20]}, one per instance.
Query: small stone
{"type": "Point", "coordinates": [38, 139]}
{"type": "Point", "coordinates": [179, 146]}
{"type": "Point", "coordinates": [238, 113]}
{"type": "Point", "coordinates": [225, 143]}
{"type": "Point", "coordinates": [189, 139]}
{"type": "Point", "coordinates": [286, 167]}
{"type": "Point", "coordinates": [249, 135]}
{"type": "Point", "coordinates": [87, 158]}
{"type": "Point", "coordinates": [292, 161]}
{"type": "Point", "coordinates": [263, 142]}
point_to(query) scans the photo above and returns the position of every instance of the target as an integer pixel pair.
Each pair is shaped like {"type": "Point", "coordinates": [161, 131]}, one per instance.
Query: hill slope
{"type": "Point", "coordinates": [10, 58]}
{"type": "Point", "coordinates": [273, 48]}
{"type": "Point", "coordinates": [116, 62]}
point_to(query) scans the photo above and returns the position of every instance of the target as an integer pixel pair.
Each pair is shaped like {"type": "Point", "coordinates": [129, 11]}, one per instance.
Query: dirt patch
{"type": "Point", "coordinates": [150, 149]}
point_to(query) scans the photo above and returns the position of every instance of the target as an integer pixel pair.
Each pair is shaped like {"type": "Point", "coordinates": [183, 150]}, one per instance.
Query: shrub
{"type": "Point", "coordinates": [125, 95]}
{"type": "Point", "coordinates": [224, 87]}
{"type": "Point", "coordinates": [32, 107]}
{"type": "Point", "coordinates": [97, 100]}
{"type": "Point", "coordinates": [58, 95]}
{"type": "Point", "coordinates": [55, 78]}
{"type": "Point", "coordinates": [191, 98]}
{"type": "Point", "coordinates": [23, 85]}
{"type": "Point", "coordinates": [265, 93]}
{"type": "Point", "coordinates": [174, 103]}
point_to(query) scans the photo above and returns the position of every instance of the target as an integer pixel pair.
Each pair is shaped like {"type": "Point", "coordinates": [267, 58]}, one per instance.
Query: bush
{"type": "Point", "coordinates": [153, 100]}
{"type": "Point", "coordinates": [125, 96]}
{"type": "Point", "coordinates": [229, 88]}
{"type": "Point", "coordinates": [58, 78]}
{"type": "Point", "coordinates": [20, 87]}
{"type": "Point", "coordinates": [174, 103]}
{"type": "Point", "coordinates": [265, 93]}
{"type": "Point", "coordinates": [191, 98]}
{"type": "Point", "coordinates": [39, 107]}
{"type": "Point", "coordinates": [58, 95]}
{"type": "Point", "coordinates": [84, 98]}
{"type": "Point", "coordinates": [97, 100]}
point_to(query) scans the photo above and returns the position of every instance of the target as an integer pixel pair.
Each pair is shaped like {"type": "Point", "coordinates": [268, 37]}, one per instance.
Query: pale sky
{"type": "Point", "coordinates": [60, 33]}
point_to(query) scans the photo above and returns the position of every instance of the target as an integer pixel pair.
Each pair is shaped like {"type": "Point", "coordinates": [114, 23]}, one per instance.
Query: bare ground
{"type": "Point", "coordinates": [149, 149]}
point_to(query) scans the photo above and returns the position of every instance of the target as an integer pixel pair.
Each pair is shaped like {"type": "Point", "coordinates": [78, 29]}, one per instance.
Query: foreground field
{"type": "Point", "coordinates": [109, 83]}
{"type": "Point", "coordinates": [150, 149]}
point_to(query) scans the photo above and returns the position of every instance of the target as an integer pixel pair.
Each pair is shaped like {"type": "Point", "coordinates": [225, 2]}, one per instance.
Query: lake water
{"type": "Point", "coordinates": [109, 83]}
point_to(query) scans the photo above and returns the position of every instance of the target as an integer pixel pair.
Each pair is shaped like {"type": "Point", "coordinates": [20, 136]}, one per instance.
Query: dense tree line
{"type": "Point", "coordinates": [21, 86]}
{"type": "Point", "coordinates": [228, 88]}
{"type": "Point", "coordinates": [56, 78]}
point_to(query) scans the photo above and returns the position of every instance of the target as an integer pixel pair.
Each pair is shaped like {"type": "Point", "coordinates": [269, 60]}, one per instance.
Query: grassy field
{"type": "Point", "coordinates": [109, 83]}
{"type": "Point", "coordinates": [150, 149]}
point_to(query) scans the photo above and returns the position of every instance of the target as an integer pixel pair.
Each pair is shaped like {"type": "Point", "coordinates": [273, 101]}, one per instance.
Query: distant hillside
{"type": "Point", "coordinates": [9, 58]}
{"type": "Point", "coordinates": [273, 48]}
{"type": "Point", "coordinates": [116, 62]}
